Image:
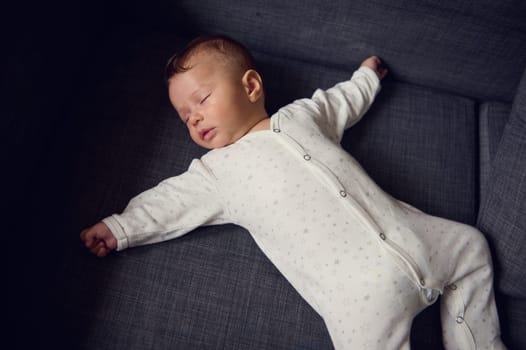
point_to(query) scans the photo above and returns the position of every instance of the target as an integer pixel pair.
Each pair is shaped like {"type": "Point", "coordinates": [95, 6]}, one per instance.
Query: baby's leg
{"type": "Point", "coordinates": [468, 311]}
{"type": "Point", "coordinates": [372, 305]}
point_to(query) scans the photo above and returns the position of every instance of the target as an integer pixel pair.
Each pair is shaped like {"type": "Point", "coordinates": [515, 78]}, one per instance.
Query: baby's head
{"type": "Point", "coordinates": [216, 90]}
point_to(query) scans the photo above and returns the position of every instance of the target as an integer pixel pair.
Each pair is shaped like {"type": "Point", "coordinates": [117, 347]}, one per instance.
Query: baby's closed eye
{"type": "Point", "coordinates": [185, 118]}
{"type": "Point", "coordinates": [203, 100]}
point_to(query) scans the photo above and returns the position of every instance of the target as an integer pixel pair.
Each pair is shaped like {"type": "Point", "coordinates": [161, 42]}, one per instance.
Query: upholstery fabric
{"type": "Point", "coordinates": [210, 289]}
{"type": "Point", "coordinates": [401, 140]}
{"type": "Point", "coordinates": [214, 288]}
{"type": "Point", "coordinates": [512, 313]}
{"type": "Point", "coordinates": [501, 214]}
{"type": "Point", "coordinates": [501, 218]}
{"type": "Point", "coordinates": [147, 296]}
{"type": "Point", "coordinates": [492, 120]}
{"type": "Point", "coordinates": [449, 45]}
{"type": "Point", "coordinates": [419, 144]}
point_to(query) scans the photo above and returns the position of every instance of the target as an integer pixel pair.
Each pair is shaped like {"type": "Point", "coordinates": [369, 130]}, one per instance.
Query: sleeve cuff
{"type": "Point", "coordinates": [118, 232]}
{"type": "Point", "coordinates": [371, 74]}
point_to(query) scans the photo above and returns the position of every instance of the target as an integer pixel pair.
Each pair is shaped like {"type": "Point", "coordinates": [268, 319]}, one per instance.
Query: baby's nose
{"type": "Point", "coordinates": [195, 118]}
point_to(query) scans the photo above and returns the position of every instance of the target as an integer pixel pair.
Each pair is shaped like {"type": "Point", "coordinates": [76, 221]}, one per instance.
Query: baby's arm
{"type": "Point", "coordinates": [99, 239]}
{"type": "Point", "coordinates": [174, 207]}
{"type": "Point", "coordinates": [340, 107]}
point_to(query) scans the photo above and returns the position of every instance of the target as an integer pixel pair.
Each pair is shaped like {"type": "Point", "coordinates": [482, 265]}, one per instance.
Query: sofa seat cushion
{"type": "Point", "coordinates": [512, 315]}
{"type": "Point", "coordinates": [419, 144]}
{"type": "Point", "coordinates": [214, 288]}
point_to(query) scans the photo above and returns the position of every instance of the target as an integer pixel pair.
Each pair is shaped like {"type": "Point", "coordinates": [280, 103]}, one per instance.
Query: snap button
{"type": "Point", "coordinates": [453, 287]}
{"type": "Point", "coordinates": [422, 282]}
{"type": "Point", "coordinates": [277, 130]}
{"type": "Point", "coordinates": [307, 157]}
{"type": "Point", "coordinates": [382, 236]}
{"type": "Point", "coordinates": [459, 319]}
{"type": "Point", "coordinates": [343, 193]}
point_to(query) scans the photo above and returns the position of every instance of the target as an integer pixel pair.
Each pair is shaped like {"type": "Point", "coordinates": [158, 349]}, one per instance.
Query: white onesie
{"type": "Point", "coordinates": [366, 262]}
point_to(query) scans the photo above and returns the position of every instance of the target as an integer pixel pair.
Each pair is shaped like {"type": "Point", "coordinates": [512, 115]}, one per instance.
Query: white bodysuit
{"type": "Point", "coordinates": [366, 262]}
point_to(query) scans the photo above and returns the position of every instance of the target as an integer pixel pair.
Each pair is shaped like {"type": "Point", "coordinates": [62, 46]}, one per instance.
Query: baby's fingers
{"type": "Point", "coordinates": [87, 237]}
{"type": "Point", "coordinates": [90, 239]}
{"type": "Point", "coordinates": [98, 240]}
{"type": "Point", "coordinates": [100, 249]}
{"type": "Point", "coordinates": [96, 246]}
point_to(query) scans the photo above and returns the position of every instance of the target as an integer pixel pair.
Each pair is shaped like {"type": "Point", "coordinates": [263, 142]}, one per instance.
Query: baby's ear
{"type": "Point", "coordinates": [253, 85]}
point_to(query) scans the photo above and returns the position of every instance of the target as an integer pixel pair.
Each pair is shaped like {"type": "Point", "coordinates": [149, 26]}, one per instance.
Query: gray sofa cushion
{"type": "Point", "coordinates": [98, 130]}
{"type": "Point", "coordinates": [512, 315]}
{"type": "Point", "coordinates": [502, 214]}
{"type": "Point", "coordinates": [454, 46]}
{"type": "Point", "coordinates": [214, 287]}
{"type": "Point", "coordinates": [502, 218]}
{"type": "Point", "coordinates": [417, 143]}
{"type": "Point", "coordinates": [492, 120]}
{"type": "Point", "coordinates": [211, 289]}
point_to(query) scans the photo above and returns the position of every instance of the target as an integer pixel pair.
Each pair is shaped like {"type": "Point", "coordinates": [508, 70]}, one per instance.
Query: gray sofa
{"type": "Point", "coordinates": [88, 108]}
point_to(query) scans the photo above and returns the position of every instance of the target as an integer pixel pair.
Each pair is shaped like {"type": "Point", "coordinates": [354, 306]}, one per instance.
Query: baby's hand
{"type": "Point", "coordinates": [99, 239]}
{"type": "Point", "coordinates": [376, 64]}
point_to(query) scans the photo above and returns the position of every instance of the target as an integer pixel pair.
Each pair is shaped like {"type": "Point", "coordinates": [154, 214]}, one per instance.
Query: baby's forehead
{"type": "Point", "coordinates": [201, 70]}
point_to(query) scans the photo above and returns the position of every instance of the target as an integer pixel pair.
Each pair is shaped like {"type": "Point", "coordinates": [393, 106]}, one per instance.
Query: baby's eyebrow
{"type": "Point", "coordinates": [196, 95]}
{"type": "Point", "coordinates": [201, 89]}
{"type": "Point", "coordinates": [196, 92]}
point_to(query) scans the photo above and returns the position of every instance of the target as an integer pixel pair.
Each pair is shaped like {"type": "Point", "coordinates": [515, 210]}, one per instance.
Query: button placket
{"type": "Point", "coordinates": [308, 158]}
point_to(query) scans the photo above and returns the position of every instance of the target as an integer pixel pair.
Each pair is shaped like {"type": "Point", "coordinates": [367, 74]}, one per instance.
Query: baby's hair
{"type": "Point", "coordinates": [231, 51]}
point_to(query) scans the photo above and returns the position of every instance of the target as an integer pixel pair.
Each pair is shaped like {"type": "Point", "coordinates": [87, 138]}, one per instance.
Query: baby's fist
{"type": "Point", "coordinates": [376, 65]}
{"type": "Point", "coordinates": [99, 239]}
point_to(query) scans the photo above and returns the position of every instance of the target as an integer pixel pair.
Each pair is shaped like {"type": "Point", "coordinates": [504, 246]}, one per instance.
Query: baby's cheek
{"type": "Point", "coordinates": [195, 138]}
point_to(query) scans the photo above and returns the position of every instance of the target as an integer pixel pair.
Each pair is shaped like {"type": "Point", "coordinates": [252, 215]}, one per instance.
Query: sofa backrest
{"type": "Point", "coordinates": [476, 48]}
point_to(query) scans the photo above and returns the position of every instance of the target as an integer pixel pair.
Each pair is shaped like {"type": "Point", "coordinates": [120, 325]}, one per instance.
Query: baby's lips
{"type": "Point", "coordinates": [204, 134]}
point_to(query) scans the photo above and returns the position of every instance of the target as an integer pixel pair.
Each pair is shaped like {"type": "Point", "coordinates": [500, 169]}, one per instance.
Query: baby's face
{"type": "Point", "coordinates": [211, 100]}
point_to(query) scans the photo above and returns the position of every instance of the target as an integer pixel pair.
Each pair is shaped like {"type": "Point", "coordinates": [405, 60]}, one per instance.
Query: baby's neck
{"type": "Point", "coordinates": [263, 124]}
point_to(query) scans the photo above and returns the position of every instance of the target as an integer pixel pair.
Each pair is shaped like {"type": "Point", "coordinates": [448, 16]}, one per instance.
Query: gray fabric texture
{"type": "Point", "coordinates": [417, 143]}
{"type": "Point", "coordinates": [501, 214]}
{"type": "Point", "coordinates": [448, 45]}
{"type": "Point", "coordinates": [492, 120]}
{"type": "Point", "coordinates": [512, 313]}
{"type": "Point", "coordinates": [211, 289]}
{"type": "Point", "coordinates": [214, 288]}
